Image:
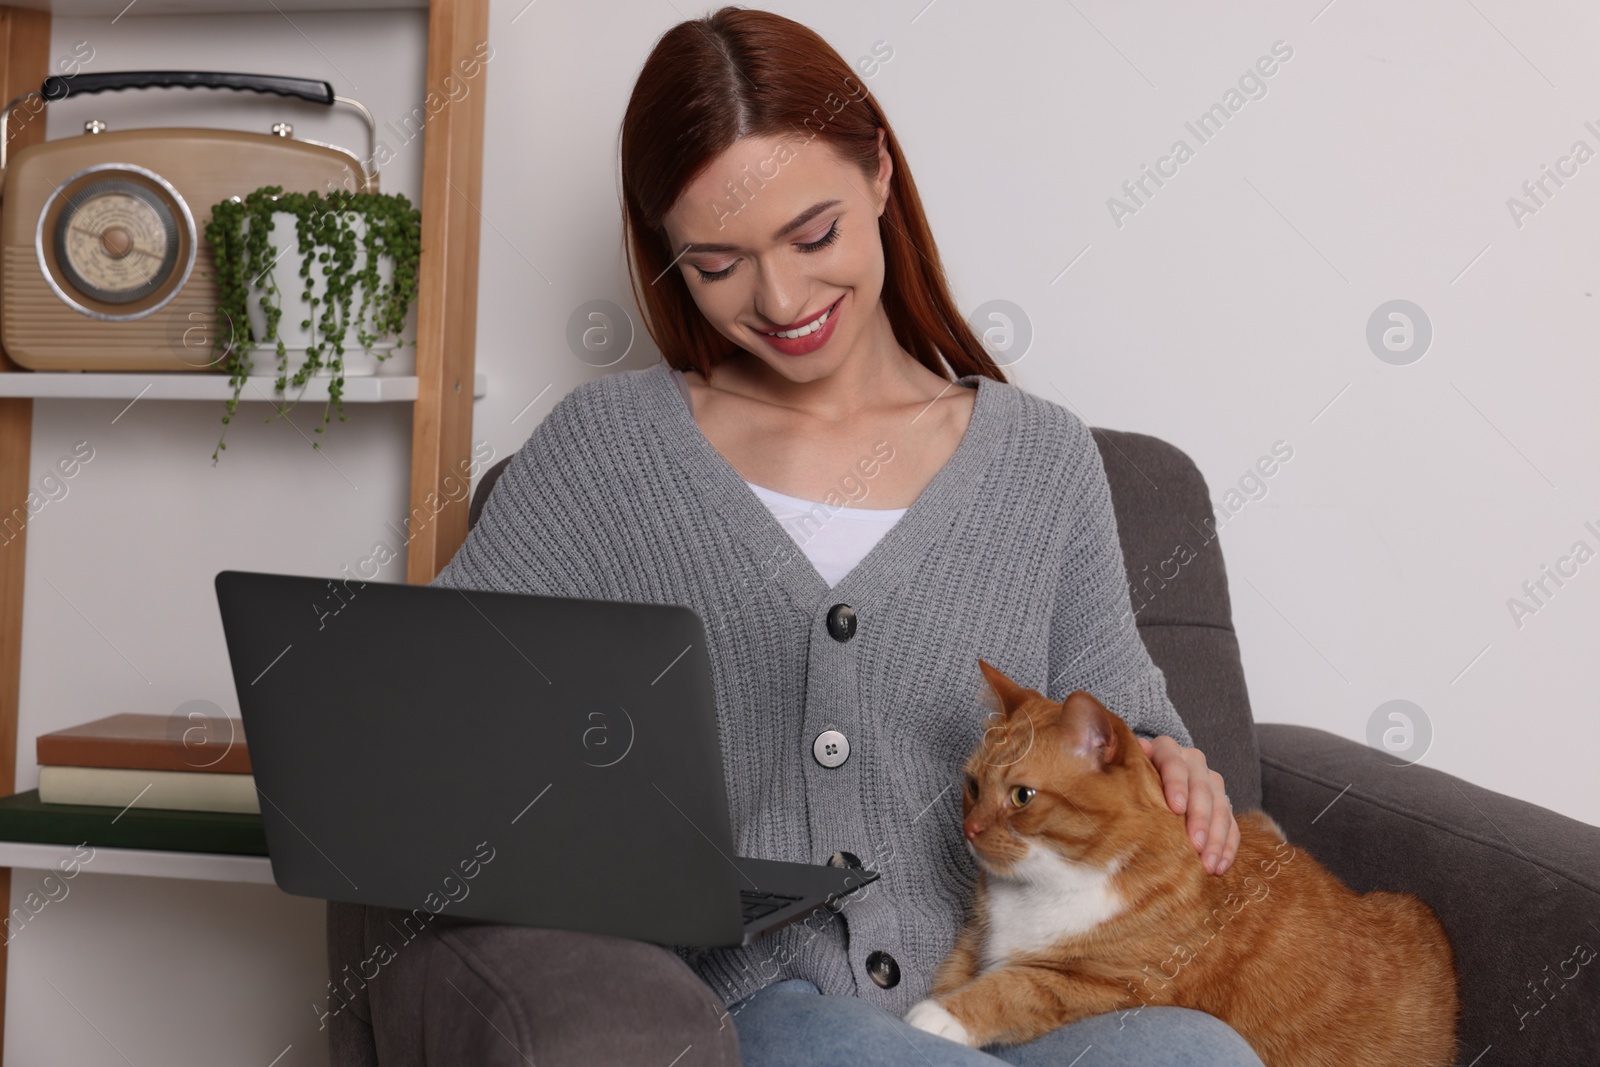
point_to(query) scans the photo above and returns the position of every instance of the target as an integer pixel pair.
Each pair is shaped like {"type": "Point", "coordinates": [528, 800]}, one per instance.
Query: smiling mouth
{"type": "Point", "coordinates": [809, 328]}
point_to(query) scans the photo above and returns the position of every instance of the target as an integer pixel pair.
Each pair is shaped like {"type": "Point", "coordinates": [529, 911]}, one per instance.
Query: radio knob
{"type": "Point", "coordinates": [117, 241]}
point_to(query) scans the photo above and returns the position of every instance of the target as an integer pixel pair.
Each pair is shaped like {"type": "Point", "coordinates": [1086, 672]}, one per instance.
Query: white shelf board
{"type": "Point", "coordinates": [203, 866]}
{"type": "Point", "coordinates": [113, 8]}
{"type": "Point", "coordinates": [122, 385]}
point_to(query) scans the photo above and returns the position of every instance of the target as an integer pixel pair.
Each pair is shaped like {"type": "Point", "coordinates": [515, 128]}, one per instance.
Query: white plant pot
{"type": "Point", "coordinates": [285, 254]}
{"type": "Point", "coordinates": [358, 363]}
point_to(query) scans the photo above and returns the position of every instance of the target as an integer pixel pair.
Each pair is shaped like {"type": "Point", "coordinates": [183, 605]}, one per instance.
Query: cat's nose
{"type": "Point", "coordinates": [972, 829]}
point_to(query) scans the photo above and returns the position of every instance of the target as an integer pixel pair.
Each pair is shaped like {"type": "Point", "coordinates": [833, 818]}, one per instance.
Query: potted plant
{"type": "Point", "coordinates": [343, 242]}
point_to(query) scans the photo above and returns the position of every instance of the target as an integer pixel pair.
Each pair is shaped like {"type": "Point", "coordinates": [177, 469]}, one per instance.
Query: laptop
{"type": "Point", "coordinates": [499, 757]}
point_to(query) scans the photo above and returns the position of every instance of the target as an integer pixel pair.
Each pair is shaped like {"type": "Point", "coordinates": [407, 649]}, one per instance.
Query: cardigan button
{"type": "Point", "coordinates": [883, 969]}
{"type": "Point", "coordinates": [849, 861]}
{"type": "Point", "coordinates": [842, 622]}
{"type": "Point", "coordinates": [831, 748]}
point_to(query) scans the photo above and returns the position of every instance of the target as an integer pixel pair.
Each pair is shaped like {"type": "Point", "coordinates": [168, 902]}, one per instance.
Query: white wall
{"type": "Point", "coordinates": [1223, 317]}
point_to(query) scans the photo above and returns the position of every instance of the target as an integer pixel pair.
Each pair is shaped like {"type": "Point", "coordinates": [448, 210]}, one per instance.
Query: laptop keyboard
{"type": "Point", "coordinates": [757, 904]}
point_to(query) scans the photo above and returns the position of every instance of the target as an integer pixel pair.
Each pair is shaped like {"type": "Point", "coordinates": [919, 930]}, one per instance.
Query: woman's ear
{"type": "Point", "coordinates": [880, 184]}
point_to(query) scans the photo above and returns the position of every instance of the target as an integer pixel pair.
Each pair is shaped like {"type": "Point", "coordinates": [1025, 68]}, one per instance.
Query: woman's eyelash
{"type": "Point", "coordinates": [815, 246]}
{"type": "Point", "coordinates": [823, 242]}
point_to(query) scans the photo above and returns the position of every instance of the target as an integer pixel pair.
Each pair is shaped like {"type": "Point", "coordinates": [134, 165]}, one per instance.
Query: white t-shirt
{"type": "Point", "coordinates": [834, 539]}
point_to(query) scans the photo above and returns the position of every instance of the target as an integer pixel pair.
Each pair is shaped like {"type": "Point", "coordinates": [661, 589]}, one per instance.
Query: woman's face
{"type": "Point", "coordinates": [778, 232]}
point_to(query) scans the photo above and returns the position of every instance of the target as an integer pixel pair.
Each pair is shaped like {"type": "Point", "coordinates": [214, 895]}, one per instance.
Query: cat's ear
{"type": "Point", "coordinates": [1087, 726]}
{"type": "Point", "coordinates": [1003, 696]}
{"type": "Point", "coordinates": [991, 700]}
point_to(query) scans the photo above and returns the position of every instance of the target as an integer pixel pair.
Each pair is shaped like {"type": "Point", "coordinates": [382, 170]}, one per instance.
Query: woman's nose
{"type": "Point", "coordinates": [781, 294]}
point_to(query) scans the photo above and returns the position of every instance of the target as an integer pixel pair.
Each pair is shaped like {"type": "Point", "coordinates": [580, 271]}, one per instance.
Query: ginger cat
{"type": "Point", "coordinates": [1091, 899]}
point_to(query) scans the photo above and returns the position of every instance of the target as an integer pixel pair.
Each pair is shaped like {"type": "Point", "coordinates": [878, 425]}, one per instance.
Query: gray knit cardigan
{"type": "Point", "coordinates": [1009, 554]}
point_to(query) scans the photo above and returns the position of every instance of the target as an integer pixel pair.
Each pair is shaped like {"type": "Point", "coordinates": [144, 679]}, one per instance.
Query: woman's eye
{"type": "Point", "coordinates": [717, 275]}
{"type": "Point", "coordinates": [1021, 794]}
{"type": "Point", "coordinates": [827, 239]}
{"type": "Point", "coordinates": [814, 246]}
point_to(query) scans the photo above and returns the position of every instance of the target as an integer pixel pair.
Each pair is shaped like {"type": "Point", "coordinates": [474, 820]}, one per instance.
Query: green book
{"type": "Point", "coordinates": [24, 818]}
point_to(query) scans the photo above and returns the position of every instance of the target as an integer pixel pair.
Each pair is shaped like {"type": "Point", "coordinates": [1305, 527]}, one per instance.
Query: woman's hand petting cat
{"type": "Point", "coordinates": [1197, 790]}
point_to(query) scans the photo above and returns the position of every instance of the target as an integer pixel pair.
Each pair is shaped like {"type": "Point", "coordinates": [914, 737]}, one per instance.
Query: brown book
{"type": "Point", "coordinates": [149, 742]}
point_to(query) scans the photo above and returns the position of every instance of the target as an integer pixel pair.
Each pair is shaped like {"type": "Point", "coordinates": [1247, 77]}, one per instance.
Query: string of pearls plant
{"type": "Point", "coordinates": [347, 235]}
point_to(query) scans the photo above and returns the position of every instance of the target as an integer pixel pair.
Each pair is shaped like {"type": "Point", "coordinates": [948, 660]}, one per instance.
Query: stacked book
{"type": "Point", "coordinates": [148, 761]}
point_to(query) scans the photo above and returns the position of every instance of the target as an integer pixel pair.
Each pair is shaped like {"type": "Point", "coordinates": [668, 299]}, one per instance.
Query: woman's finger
{"type": "Point", "coordinates": [1233, 844]}
{"type": "Point", "coordinates": [1174, 771]}
{"type": "Point", "coordinates": [1200, 809]}
{"type": "Point", "coordinates": [1221, 826]}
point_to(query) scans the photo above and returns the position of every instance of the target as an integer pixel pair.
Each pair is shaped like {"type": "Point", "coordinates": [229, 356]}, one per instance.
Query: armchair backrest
{"type": "Point", "coordinates": [1179, 590]}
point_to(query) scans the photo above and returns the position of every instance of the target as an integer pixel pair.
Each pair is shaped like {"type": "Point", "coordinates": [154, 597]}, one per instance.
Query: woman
{"type": "Point", "coordinates": [786, 271]}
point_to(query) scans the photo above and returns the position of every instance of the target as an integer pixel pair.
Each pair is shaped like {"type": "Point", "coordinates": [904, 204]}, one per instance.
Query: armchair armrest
{"type": "Point", "coordinates": [1516, 886]}
{"type": "Point", "coordinates": [412, 995]}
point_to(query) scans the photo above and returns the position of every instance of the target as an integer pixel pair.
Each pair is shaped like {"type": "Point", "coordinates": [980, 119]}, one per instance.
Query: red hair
{"type": "Point", "coordinates": [740, 73]}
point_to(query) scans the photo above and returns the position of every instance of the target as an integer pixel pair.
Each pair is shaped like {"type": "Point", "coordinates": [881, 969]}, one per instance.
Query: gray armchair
{"type": "Point", "coordinates": [1516, 886]}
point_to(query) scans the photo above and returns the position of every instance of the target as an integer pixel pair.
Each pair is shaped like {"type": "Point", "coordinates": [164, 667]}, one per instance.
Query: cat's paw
{"type": "Point", "coordinates": [928, 1015]}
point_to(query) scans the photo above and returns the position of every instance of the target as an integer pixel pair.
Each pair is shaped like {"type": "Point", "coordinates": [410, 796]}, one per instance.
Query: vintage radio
{"type": "Point", "coordinates": [104, 264]}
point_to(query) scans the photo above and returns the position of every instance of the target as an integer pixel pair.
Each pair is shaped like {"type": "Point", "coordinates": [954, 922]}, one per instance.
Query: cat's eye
{"type": "Point", "coordinates": [1021, 794]}
{"type": "Point", "coordinates": [972, 785]}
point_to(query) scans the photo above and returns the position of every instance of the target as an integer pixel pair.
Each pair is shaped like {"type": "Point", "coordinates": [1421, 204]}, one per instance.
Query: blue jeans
{"type": "Point", "coordinates": [791, 1024]}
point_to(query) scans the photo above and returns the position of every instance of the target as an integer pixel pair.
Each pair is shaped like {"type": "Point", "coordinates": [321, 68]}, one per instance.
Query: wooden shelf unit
{"type": "Point", "coordinates": [445, 381]}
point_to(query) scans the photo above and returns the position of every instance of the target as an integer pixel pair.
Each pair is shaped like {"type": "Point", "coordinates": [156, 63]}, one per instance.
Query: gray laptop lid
{"type": "Point", "coordinates": [525, 759]}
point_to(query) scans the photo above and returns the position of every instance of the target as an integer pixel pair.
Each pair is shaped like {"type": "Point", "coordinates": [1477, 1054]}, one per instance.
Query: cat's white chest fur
{"type": "Point", "coordinates": [1045, 897]}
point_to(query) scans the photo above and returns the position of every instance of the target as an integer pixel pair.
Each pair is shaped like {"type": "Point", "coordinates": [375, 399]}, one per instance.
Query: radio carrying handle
{"type": "Point", "coordinates": [57, 87]}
